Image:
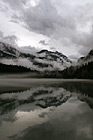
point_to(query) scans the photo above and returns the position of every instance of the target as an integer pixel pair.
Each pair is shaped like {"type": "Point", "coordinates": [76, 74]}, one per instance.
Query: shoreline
{"type": "Point", "coordinates": [14, 84]}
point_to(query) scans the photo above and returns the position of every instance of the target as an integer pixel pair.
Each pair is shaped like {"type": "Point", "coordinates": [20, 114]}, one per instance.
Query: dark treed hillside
{"type": "Point", "coordinates": [13, 69]}
{"type": "Point", "coordinates": [81, 72]}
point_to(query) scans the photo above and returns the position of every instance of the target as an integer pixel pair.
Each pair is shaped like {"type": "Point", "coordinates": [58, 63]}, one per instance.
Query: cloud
{"type": "Point", "coordinates": [1, 34]}
{"type": "Point", "coordinates": [67, 23]}
{"type": "Point", "coordinates": [43, 42]}
{"type": "Point", "coordinates": [42, 18]}
{"type": "Point", "coordinates": [74, 57]}
{"type": "Point", "coordinates": [29, 49]}
{"type": "Point", "coordinates": [15, 5]}
{"type": "Point", "coordinates": [10, 39]}
{"type": "Point", "coordinates": [53, 48]}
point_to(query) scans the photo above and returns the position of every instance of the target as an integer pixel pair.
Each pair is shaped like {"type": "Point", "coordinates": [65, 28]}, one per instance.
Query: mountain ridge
{"type": "Point", "coordinates": [43, 60]}
{"type": "Point", "coordinates": [87, 58]}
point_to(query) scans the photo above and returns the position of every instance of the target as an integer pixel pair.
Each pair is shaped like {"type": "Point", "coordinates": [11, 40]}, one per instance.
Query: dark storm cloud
{"type": "Point", "coordinates": [15, 5]}
{"type": "Point", "coordinates": [42, 19]}
{"type": "Point", "coordinates": [66, 21]}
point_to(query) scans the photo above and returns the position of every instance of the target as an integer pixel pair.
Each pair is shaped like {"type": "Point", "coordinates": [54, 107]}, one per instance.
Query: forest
{"type": "Point", "coordinates": [84, 71]}
{"type": "Point", "coordinates": [13, 69]}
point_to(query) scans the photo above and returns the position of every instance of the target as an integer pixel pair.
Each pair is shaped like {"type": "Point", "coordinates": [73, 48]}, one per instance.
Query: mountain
{"type": "Point", "coordinates": [44, 63]}
{"type": "Point", "coordinates": [7, 51]}
{"type": "Point", "coordinates": [43, 60]}
{"type": "Point", "coordinates": [86, 59]}
{"type": "Point", "coordinates": [82, 70]}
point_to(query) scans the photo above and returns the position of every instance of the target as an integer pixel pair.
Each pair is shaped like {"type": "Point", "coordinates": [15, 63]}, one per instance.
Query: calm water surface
{"type": "Point", "coordinates": [46, 109]}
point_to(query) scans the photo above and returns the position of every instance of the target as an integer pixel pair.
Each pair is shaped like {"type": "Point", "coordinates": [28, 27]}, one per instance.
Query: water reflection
{"type": "Point", "coordinates": [52, 112]}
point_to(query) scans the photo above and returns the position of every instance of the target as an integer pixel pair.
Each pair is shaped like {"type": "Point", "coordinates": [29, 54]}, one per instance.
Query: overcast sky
{"type": "Point", "coordinates": [62, 25]}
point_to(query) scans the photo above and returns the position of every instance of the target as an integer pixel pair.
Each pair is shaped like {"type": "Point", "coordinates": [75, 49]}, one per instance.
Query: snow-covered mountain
{"type": "Point", "coordinates": [43, 60]}
{"type": "Point", "coordinates": [86, 59]}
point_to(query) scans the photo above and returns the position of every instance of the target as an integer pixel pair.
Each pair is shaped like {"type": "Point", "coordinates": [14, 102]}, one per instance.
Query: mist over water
{"type": "Point", "coordinates": [46, 109]}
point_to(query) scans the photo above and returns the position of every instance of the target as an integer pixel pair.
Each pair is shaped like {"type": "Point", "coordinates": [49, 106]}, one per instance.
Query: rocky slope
{"type": "Point", "coordinates": [86, 59]}
{"type": "Point", "coordinates": [43, 60]}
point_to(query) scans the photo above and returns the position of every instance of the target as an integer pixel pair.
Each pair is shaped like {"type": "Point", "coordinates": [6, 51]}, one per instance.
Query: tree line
{"type": "Point", "coordinates": [84, 71]}
{"type": "Point", "coordinates": [13, 69]}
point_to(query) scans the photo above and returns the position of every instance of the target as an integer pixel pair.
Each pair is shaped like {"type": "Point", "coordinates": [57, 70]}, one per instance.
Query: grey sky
{"type": "Point", "coordinates": [66, 25]}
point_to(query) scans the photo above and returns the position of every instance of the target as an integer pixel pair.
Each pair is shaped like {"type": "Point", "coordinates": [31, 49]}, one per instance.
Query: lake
{"type": "Point", "coordinates": [46, 109]}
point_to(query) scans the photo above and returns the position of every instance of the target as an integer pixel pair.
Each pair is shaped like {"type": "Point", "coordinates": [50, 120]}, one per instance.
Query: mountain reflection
{"type": "Point", "coordinates": [48, 110]}
{"type": "Point", "coordinates": [41, 96]}
{"type": "Point", "coordinates": [45, 96]}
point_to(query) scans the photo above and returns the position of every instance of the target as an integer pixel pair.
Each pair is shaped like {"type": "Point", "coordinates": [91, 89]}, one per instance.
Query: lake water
{"type": "Point", "coordinates": [46, 109]}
